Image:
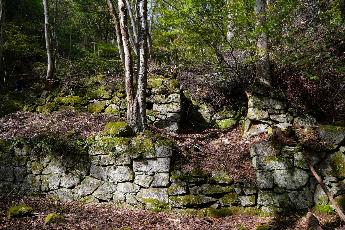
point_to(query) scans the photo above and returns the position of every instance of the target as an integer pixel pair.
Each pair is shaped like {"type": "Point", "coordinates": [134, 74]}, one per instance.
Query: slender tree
{"type": "Point", "coordinates": [2, 22]}
{"type": "Point", "coordinates": [136, 93]}
{"type": "Point", "coordinates": [262, 64]}
{"type": "Point", "coordinates": [116, 21]}
{"type": "Point", "coordinates": [143, 63]}
{"type": "Point", "coordinates": [47, 33]}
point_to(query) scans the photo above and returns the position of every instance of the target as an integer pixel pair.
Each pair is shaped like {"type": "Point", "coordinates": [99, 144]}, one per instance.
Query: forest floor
{"type": "Point", "coordinates": [107, 216]}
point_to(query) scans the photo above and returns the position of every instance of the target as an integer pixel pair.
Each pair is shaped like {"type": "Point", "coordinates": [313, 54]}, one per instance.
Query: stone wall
{"type": "Point", "coordinates": [140, 171]}
{"type": "Point", "coordinates": [114, 167]}
{"type": "Point", "coordinates": [283, 176]}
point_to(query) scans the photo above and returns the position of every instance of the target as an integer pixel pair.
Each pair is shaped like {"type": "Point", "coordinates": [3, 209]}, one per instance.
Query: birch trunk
{"type": "Point", "coordinates": [133, 33]}
{"type": "Point", "coordinates": [50, 65]}
{"type": "Point", "coordinates": [128, 64]}
{"type": "Point", "coordinates": [116, 22]}
{"type": "Point", "coordinates": [262, 64]}
{"type": "Point", "coordinates": [143, 64]}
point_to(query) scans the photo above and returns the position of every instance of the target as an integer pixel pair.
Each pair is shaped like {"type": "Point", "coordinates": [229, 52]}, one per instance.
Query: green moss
{"type": "Point", "coordinates": [152, 113]}
{"type": "Point", "coordinates": [155, 82]}
{"type": "Point", "coordinates": [208, 189]}
{"type": "Point", "coordinates": [217, 213]}
{"type": "Point", "coordinates": [221, 177]}
{"type": "Point", "coordinates": [142, 144]}
{"type": "Point", "coordinates": [176, 189]}
{"type": "Point", "coordinates": [70, 100]}
{"type": "Point", "coordinates": [99, 93]}
{"type": "Point", "coordinates": [263, 227]}
{"type": "Point", "coordinates": [226, 123]}
{"type": "Point", "coordinates": [53, 217]}
{"type": "Point", "coordinates": [119, 129]}
{"type": "Point", "coordinates": [96, 107]}
{"type": "Point", "coordinates": [20, 210]}
{"type": "Point", "coordinates": [332, 128]}
{"type": "Point", "coordinates": [155, 205]}
{"type": "Point", "coordinates": [337, 163]}
{"type": "Point", "coordinates": [47, 108]}
{"type": "Point", "coordinates": [173, 84]}
{"type": "Point", "coordinates": [120, 94]}
{"type": "Point", "coordinates": [324, 209]}
{"type": "Point", "coordinates": [114, 145]}
{"type": "Point", "coordinates": [230, 199]}
{"type": "Point", "coordinates": [191, 200]}
{"type": "Point", "coordinates": [111, 110]}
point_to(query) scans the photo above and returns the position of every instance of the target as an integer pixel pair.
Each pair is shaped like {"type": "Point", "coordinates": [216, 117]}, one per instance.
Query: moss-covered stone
{"type": "Point", "coordinates": [230, 199]}
{"type": "Point", "coordinates": [99, 93]}
{"type": "Point", "coordinates": [143, 145]}
{"type": "Point", "coordinates": [177, 189]}
{"type": "Point", "coordinates": [226, 123]}
{"type": "Point", "coordinates": [155, 205]}
{"type": "Point", "coordinates": [221, 177]}
{"type": "Point", "coordinates": [96, 107]}
{"type": "Point", "coordinates": [118, 129]}
{"type": "Point", "coordinates": [20, 210]}
{"type": "Point", "coordinates": [47, 108]}
{"type": "Point", "coordinates": [209, 189]}
{"type": "Point", "coordinates": [220, 212]}
{"type": "Point", "coordinates": [109, 145]}
{"type": "Point", "coordinates": [191, 200]}
{"type": "Point", "coordinates": [111, 110]}
{"type": "Point", "coordinates": [337, 162]}
{"type": "Point", "coordinates": [53, 217]}
{"type": "Point", "coordinates": [70, 100]}
{"type": "Point", "coordinates": [155, 82]}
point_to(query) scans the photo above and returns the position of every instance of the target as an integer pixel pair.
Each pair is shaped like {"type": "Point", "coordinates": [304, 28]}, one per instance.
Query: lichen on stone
{"type": "Point", "coordinates": [226, 123]}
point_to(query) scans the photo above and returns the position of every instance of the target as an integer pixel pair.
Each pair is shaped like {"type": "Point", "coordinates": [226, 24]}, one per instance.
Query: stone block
{"type": "Point", "coordinates": [143, 180]}
{"type": "Point", "coordinates": [99, 172]}
{"type": "Point", "coordinates": [160, 180]}
{"type": "Point", "coordinates": [177, 189]}
{"type": "Point", "coordinates": [50, 182]}
{"type": "Point", "coordinates": [69, 180]}
{"type": "Point", "coordinates": [19, 173]}
{"type": "Point", "coordinates": [302, 199]}
{"type": "Point", "coordinates": [105, 191]}
{"type": "Point", "coordinates": [88, 186]}
{"type": "Point", "coordinates": [264, 179]}
{"type": "Point", "coordinates": [127, 187]}
{"type": "Point", "coordinates": [159, 194]}
{"type": "Point", "coordinates": [247, 201]}
{"type": "Point", "coordinates": [291, 179]}
{"type": "Point", "coordinates": [120, 174]}
{"type": "Point", "coordinates": [270, 199]}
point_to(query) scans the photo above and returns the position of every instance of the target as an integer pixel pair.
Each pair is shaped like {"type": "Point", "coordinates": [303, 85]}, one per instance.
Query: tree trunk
{"type": "Point", "coordinates": [150, 22]}
{"type": "Point", "coordinates": [262, 64]}
{"type": "Point", "coordinates": [143, 59]}
{"type": "Point", "coordinates": [133, 33]}
{"type": "Point", "coordinates": [50, 58]}
{"type": "Point", "coordinates": [2, 23]}
{"type": "Point", "coordinates": [116, 22]}
{"type": "Point", "coordinates": [131, 114]}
